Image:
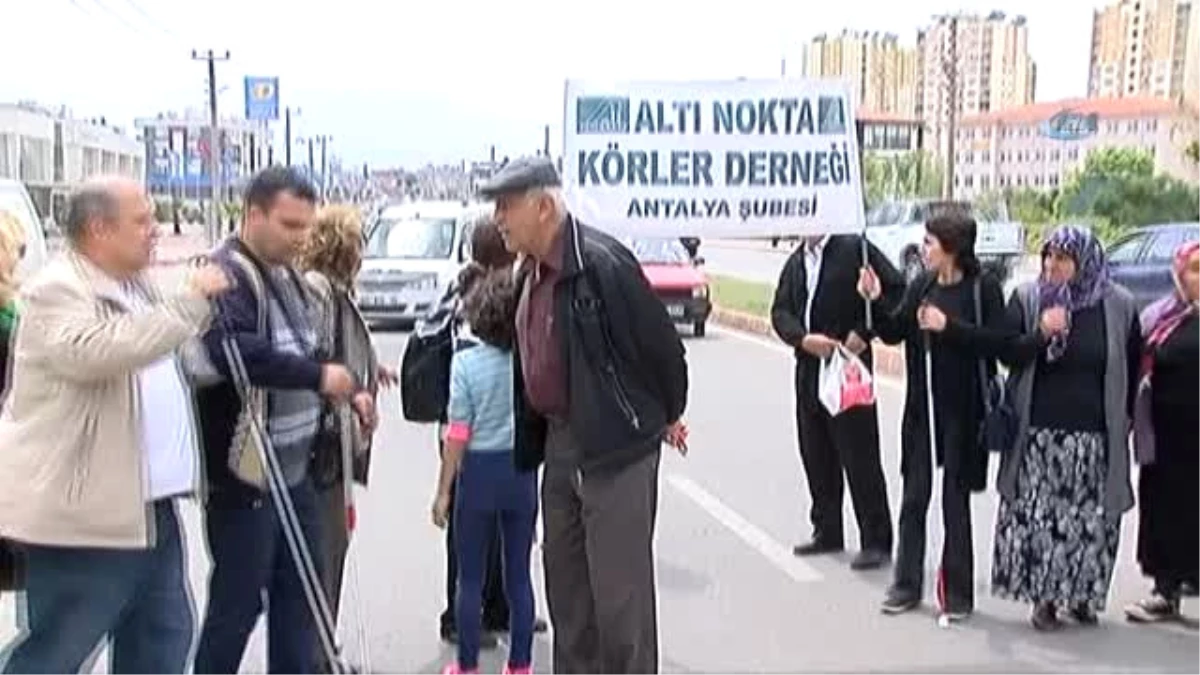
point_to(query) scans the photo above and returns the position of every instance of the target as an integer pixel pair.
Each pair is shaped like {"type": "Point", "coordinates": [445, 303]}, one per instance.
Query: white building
{"type": "Point", "coordinates": [1038, 146]}
{"type": "Point", "coordinates": [51, 152]}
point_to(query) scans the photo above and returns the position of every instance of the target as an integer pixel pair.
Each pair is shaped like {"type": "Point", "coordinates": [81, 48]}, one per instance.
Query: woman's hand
{"type": "Point", "coordinates": [441, 510]}
{"type": "Point", "coordinates": [868, 284]}
{"type": "Point", "coordinates": [1053, 322]}
{"type": "Point", "coordinates": [930, 318]}
{"type": "Point", "coordinates": [387, 377]}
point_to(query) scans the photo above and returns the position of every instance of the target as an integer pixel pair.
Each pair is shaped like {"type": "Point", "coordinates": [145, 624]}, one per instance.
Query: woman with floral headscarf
{"type": "Point", "coordinates": [1167, 444]}
{"type": "Point", "coordinates": [1064, 484]}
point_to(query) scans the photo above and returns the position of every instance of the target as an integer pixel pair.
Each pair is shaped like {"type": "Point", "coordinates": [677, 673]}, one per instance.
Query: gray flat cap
{"type": "Point", "coordinates": [520, 175]}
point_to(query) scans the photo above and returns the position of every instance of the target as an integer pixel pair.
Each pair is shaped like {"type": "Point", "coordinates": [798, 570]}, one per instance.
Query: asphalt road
{"type": "Point", "coordinates": [731, 596]}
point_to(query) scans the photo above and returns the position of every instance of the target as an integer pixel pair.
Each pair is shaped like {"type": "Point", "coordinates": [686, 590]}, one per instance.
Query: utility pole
{"type": "Point", "coordinates": [325, 140]}
{"type": "Point", "coordinates": [950, 71]}
{"type": "Point", "coordinates": [287, 135]}
{"type": "Point", "coordinates": [312, 168]}
{"type": "Point", "coordinates": [214, 145]}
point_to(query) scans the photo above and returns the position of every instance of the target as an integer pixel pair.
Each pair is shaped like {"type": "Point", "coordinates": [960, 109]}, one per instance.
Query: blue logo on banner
{"type": "Point", "coordinates": [831, 115]}
{"type": "Point", "coordinates": [262, 98]}
{"type": "Point", "coordinates": [602, 115]}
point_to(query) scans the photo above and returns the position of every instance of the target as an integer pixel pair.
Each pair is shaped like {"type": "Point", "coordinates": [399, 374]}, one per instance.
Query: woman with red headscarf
{"type": "Point", "coordinates": [1167, 444]}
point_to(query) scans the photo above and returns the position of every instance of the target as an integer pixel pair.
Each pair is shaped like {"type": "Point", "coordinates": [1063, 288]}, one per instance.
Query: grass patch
{"type": "Point", "coordinates": [751, 297]}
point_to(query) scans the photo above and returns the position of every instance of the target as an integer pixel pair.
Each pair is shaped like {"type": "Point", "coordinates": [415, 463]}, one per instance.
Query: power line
{"type": "Point", "coordinates": [149, 19]}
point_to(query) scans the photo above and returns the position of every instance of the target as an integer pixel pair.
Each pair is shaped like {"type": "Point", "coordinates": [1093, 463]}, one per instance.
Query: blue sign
{"type": "Point", "coordinates": [262, 98]}
{"type": "Point", "coordinates": [1071, 126]}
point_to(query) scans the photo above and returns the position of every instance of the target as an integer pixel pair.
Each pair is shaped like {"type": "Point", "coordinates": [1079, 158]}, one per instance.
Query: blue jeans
{"type": "Point", "coordinates": [74, 597]}
{"type": "Point", "coordinates": [490, 490]}
{"type": "Point", "coordinates": [249, 556]}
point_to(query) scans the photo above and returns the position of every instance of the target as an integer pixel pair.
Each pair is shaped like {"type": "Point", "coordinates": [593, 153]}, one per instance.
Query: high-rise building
{"type": "Point", "coordinates": [986, 57]}
{"type": "Point", "coordinates": [883, 72]}
{"type": "Point", "coordinates": [1144, 48]}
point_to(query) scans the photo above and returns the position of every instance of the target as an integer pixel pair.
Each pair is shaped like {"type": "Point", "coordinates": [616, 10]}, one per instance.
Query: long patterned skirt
{"type": "Point", "coordinates": [1053, 542]}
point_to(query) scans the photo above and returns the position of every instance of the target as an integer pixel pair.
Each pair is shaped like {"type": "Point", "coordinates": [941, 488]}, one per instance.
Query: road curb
{"type": "Point", "coordinates": [889, 360]}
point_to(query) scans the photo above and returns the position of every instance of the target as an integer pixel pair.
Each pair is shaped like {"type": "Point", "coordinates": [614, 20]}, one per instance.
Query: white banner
{"type": "Point", "coordinates": [713, 159]}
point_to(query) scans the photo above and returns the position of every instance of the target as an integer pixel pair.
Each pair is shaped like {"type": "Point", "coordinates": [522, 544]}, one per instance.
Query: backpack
{"type": "Point", "coordinates": [425, 366]}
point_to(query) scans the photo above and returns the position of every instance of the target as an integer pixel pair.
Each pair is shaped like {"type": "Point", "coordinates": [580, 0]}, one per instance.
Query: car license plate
{"type": "Point", "coordinates": [675, 311]}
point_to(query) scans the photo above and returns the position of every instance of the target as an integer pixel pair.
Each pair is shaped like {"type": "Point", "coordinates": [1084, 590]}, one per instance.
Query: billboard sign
{"type": "Point", "coordinates": [262, 98]}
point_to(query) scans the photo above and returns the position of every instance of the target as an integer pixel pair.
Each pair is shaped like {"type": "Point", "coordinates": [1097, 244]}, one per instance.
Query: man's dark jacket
{"type": "Point", "coordinates": [627, 375]}
{"type": "Point", "coordinates": [266, 366]}
{"type": "Point", "coordinates": [837, 308]}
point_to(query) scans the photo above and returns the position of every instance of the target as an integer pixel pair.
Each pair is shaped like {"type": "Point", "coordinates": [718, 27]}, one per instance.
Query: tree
{"type": "Point", "coordinates": [904, 175]}
{"type": "Point", "coordinates": [1192, 151]}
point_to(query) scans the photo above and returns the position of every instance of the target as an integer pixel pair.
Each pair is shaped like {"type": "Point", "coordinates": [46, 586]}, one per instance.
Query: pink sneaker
{"type": "Point", "coordinates": [454, 669]}
{"type": "Point", "coordinates": [523, 670]}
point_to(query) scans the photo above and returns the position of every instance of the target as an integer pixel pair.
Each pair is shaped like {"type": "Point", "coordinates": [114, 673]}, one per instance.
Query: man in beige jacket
{"type": "Point", "coordinates": [96, 441]}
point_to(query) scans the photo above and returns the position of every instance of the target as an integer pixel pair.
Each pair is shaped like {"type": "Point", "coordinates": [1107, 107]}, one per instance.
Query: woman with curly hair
{"type": "Point", "coordinates": [490, 489]}
{"type": "Point", "coordinates": [330, 259]}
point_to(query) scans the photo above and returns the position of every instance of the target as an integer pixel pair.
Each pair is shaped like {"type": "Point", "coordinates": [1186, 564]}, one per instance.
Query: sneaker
{"type": "Point", "coordinates": [957, 615]}
{"type": "Point", "coordinates": [1154, 609]}
{"type": "Point", "coordinates": [899, 602]}
{"type": "Point", "coordinates": [455, 669]}
{"type": "Point", "coordinates": [510, 669]}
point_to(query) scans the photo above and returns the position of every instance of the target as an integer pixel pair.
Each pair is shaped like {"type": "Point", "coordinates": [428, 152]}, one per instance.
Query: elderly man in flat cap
{"type": "Point", "coordinates": [601, 383]}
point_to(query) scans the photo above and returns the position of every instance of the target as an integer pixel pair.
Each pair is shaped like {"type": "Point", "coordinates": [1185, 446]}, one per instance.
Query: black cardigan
{"type": "Point", "coordinates": [968, 462]}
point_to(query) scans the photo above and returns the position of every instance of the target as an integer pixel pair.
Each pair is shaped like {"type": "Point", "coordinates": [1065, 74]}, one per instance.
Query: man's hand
{"type": "Point", "coordinates": [208, 280]}
{"type": "Point", "coordinates": [364, 406]}
{"type": "Point", "coordinates": [336, 381]}
{"type": "Point", "coordinates": [855, 344]}
{"type": "Point", "coordinates": [676, 436]}
{"type": "Point", "coordinates": [820, 346]}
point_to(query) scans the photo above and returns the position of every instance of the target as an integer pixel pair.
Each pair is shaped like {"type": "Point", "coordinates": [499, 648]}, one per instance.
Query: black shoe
{"type": "Point", "coordinates": [817, 547]}
{"type": "Point", "coordinates": [870, 559]}
{"type": "Point", "coordinates": [1045, 617]}
{"type": "Point", "coordinates": [1084, 615]}
{"type": "Point", "coordinates": [539, 626]}
{"type": "Point", "coordinates": [487, 640]}
{"type": "Point", "coordinates": [898, 602]}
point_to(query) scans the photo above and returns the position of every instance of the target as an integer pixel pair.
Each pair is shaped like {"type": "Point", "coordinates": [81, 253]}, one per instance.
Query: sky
{"type": "Point", "coordinates": [409, 82]}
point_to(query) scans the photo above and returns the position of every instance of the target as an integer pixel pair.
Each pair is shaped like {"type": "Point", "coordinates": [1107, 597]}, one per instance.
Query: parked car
{"type": "Point", "coordinates": [677, 278]}
{"type": "Point", "coordinates": [413, 251]}
{"type": "Point", "coordinates": [898, 230]}
{"type": "Point", "coordinates": [1142, 263]}
{"type": "Point", "coordinates": [14, 198]}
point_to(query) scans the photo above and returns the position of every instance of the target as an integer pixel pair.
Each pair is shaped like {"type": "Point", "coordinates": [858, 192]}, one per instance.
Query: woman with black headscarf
{"type": "Point", "coordinates": [1064, 484]}
{"type": "Point", "coordinates": [951, 320]}
{"type": "Point", "coordinates": [1167, 444]}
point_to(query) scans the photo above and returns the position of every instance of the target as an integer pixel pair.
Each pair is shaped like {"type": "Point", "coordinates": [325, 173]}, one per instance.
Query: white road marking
{"type": "Point", "coordinates": [893, 383]}
{"type": "Point", "coordinates": [775, 553]}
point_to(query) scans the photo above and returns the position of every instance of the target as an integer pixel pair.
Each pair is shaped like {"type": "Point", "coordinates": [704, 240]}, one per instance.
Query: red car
{"type": "Point", "coordinates": [677, 278]}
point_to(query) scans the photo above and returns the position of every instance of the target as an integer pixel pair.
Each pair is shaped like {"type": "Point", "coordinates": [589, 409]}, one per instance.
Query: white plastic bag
{"type": "Point", "coordinates": [844, 382]}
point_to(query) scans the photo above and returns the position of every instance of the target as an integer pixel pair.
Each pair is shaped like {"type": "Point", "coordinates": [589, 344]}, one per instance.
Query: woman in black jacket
{"type": "Point", "coordinates": [939, 315]}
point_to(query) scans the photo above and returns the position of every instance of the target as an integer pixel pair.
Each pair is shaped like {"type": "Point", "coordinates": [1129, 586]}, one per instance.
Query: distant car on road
{"type": "Point", "coordinates": [677, 278]}
{"type": "Point", "coordinates": [1142, 263]}
{"type": "Point", "coordinates": [898, 230]}
{"type": "Point", "coordinates": [413, 251]}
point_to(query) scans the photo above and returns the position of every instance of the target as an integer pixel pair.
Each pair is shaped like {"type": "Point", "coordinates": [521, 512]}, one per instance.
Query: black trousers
{"type": "Point", "coordinates": [831, 447]}
{"type": "Point", "coordinates": [495, 603]}
{"type": "Point", "coordinates": [958, 556]}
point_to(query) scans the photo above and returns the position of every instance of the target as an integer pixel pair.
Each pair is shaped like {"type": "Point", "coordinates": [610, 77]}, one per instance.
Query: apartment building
{"type": "Point", "coordinates": [985, 56]}
{"type": "Point", "coordinates": [51, 152]}
{"type": "Point", "coordinates": [1145, 48]}
{"type": "Point", "coordinates": [1038, 146]}
{"type": "Point", "coordinates": [882, 71]}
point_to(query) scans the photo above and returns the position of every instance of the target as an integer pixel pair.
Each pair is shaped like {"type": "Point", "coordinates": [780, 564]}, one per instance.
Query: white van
{"type": "Point", "coordinates": [413, 251]}
{"type": "Point", "coordinates": [14, 198]}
